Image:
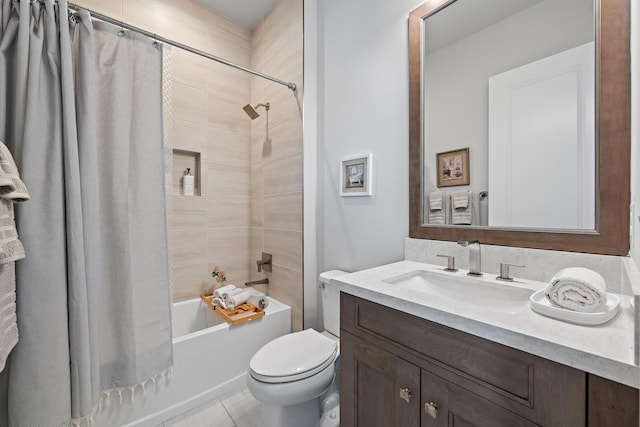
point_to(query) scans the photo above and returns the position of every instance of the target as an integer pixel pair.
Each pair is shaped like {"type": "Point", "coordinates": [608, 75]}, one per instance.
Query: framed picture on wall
{"type": "Point", "coordinates": [355, 176]}
{"type": "Point", "coordinates": [453, 167]}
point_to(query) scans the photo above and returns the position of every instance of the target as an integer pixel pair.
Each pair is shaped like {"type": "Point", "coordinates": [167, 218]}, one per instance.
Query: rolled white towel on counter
{"type": "Point", "coordinates": [224, 291]}
{"type": "Point", "coordinates": [578, 289]}
{"type": "Point", "coordinates": [236, 299]}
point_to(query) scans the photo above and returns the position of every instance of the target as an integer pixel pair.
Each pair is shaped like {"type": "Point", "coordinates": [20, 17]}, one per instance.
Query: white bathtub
{"type": "Point", "coordinates": [210, 359]}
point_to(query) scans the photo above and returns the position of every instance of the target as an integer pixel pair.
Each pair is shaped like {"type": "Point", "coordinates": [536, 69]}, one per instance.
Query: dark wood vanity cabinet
{"type": "Point", "coordinates": [401, 370]}
{"type": "Point", "coordinates": [374, 375]}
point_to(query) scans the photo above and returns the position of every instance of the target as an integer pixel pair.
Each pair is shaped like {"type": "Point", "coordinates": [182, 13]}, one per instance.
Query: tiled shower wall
{"type": "Point", "coordinates": [276, 159]}
{"type": "Point", "coordinates": [249, 197]}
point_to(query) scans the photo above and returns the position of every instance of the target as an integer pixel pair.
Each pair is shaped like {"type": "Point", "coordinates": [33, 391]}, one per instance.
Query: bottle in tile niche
{"type": "Point", "coordinates": [187, 183]}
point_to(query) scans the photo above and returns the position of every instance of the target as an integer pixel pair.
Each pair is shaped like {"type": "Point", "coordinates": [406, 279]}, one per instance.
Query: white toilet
{"type": "Point", "coordinates": [295, 376]}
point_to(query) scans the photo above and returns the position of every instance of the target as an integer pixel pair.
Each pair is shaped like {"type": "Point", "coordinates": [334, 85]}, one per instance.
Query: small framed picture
{"type": "Point", "coordinates": [453, 168]}
{"type": "Point", "coordinates": [355, 176]}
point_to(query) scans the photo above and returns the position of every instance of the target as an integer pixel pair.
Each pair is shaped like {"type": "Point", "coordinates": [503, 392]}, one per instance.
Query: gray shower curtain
{"type": "Point", "coordinates": [81, 111]}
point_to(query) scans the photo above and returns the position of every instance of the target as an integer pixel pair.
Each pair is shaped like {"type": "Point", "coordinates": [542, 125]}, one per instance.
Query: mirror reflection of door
{"type": "Point", "coordinates": [468, 43]}
{"type": "Point", "coordinates": [542, 143]}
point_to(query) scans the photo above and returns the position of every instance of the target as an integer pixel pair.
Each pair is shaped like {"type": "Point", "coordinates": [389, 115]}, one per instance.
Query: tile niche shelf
{"type": "Point", "coordinates": [183, 159]}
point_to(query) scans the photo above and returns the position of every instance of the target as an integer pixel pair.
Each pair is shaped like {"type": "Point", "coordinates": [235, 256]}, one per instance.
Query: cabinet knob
{"type": "Point", "coordinates": [431, 409]}
{"type": "Point", "coordinates": [405, 394]}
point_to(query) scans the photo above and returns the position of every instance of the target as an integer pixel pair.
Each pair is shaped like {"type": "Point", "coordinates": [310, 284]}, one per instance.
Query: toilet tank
{"type": "Point", "coordinates": [330, 301]}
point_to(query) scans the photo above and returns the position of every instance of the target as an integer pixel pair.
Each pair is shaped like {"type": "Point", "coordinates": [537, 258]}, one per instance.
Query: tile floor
{"type": "Point", "coordinates": [238, 409]}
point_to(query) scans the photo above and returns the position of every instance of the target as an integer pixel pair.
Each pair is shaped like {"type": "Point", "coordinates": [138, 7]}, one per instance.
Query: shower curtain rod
{"type": "Point", "coordinates": [179, 45]}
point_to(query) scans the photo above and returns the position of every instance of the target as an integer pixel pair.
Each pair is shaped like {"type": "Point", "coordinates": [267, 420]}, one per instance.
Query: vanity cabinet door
{"type": "Point", "coordinates": [377, 388]}
{"type": "Point", "coordinates": [446, 404]}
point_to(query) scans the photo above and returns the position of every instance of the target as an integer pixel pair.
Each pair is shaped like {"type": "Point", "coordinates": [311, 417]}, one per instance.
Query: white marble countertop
{"type": "Point", "coordinates": [605, 350]}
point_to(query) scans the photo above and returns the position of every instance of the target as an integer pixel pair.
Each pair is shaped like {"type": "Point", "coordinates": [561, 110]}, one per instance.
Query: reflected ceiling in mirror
{"type": "Point", "coordinates": [529, 101]}
{"type": "Point", "coordinates": [512, 80]}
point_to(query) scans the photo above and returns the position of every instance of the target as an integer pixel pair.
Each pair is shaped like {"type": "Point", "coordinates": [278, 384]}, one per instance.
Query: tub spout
{"type": "Point", "coordinates": [474, 257]}
{"type": "Point", "coordinates": [264, 281]}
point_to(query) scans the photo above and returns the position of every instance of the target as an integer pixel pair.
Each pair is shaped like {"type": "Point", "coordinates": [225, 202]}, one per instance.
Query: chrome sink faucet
{"type": "Point", "coordinates": [474, 257]}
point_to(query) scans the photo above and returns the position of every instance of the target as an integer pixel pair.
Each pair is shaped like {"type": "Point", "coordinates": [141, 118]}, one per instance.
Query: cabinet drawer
{"type": "Point", "coordinates": [478, 358]}
{"type": "Point", "coordinates": [511, 378]}
{"type": "Point", "coordinates": [458, 407]}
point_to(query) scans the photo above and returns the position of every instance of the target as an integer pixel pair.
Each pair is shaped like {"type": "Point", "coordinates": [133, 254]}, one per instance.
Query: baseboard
{"type": "Point", "coordinates": [235, 384]}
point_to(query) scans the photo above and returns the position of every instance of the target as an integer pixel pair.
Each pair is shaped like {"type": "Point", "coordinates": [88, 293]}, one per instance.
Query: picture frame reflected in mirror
{"type": "Point", "coordinates": [453, 168]}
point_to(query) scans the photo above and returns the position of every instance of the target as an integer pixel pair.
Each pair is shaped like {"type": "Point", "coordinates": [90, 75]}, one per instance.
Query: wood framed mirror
{"type": "Point", "coordinates": [612, 109]}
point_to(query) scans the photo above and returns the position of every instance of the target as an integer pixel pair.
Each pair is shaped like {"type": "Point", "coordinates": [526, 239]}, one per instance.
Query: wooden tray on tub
{"type": "Point", "coordinates": [242, 313]}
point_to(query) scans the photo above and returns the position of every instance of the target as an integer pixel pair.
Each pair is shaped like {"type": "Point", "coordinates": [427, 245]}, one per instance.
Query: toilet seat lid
{"type": "Point", "coordinates": [293, 357]}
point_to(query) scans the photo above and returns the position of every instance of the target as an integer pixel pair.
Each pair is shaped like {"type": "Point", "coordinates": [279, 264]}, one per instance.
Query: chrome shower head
{"type": "Point", "coordinates": [252, 112]}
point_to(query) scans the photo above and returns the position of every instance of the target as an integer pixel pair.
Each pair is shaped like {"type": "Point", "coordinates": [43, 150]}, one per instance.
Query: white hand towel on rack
{"type": "Point", "coordinates": [462, 212]}
{"type": "Point", "coordinates": [475, 208]}
{"type": "Point", "coordinates": [578, 289]}
{"type": "Point", "coordinates": [12, 190]}
{"type": "Point", "coordinates": [460, 199]}
{"type": "Point", "coordinates": [435, 200]}
{"type": "Point", "coordinates": [436, 208]}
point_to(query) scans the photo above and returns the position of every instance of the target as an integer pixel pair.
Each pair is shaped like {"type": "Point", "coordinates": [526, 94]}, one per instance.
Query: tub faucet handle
{"type": "Point", "coordinates": [265, 262]}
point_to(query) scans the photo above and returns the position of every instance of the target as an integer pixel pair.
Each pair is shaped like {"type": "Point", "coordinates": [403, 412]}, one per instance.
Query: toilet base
{"type": "Point", "coordinates": [331, 418]}
{"type": "Point", "coordinates": [302, 414]}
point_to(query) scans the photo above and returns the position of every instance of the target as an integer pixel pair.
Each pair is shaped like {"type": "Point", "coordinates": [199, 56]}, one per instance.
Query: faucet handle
{"type": "Point", "coordinates": [504, 271]}
{"type": "Point", "coordinates": [265, 262]}
{"type": "Point", "coordinates": [451, 262]}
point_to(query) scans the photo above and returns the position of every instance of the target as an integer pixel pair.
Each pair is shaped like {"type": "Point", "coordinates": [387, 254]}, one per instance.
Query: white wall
{"type": "Point", "coordinates": [363, 108]}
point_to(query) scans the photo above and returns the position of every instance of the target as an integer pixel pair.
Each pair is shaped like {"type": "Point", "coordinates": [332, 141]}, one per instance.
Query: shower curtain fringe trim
{"type": "Point", "coordinates": [108, 396]}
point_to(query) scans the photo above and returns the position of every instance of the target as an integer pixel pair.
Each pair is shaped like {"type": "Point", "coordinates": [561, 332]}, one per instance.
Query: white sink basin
{"type": "Point", "coordinates": [457, 287]}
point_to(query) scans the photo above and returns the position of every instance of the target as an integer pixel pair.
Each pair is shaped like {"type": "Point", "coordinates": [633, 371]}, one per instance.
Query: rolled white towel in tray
{"type": "Point", "coordinates": [219, 302]}
{"type": "Point", "coordinates": [259, 301]}
{"type": "Point", "coordinates": [578, 289]}
{"type": "Point", "coordinates": [234, 292]}
{"type": "Point", "coordinates": [236, 299]}
{"type": "Point", "coordinates": [223, 292]}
